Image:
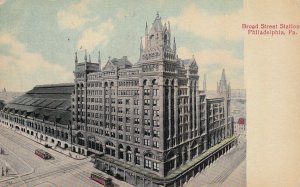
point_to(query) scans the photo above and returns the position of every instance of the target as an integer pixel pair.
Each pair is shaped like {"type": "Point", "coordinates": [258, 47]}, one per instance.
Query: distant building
{"type": "Point", "coordinates": [2, 103]}
{"type": "Point", "coordinates": [146, 122]}
{"type": "Point", "coordinates": [44, 113]}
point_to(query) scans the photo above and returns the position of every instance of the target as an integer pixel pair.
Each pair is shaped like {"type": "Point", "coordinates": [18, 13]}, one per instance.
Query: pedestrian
{"type": "Point", "coordinates": [2, 172]}
{"type": "Point", "coordinates": [6, 171]}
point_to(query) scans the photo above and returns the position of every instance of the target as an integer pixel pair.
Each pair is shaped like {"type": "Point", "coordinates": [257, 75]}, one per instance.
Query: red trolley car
{"type": "Point", "coordinates": [43, 154]}
{"type": "Point", "coordinates": [106, 181]}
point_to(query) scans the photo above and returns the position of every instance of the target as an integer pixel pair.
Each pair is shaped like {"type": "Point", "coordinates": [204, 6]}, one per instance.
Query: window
{"type": "Point", "coordinates": [156, 113]}
{"type": "Point", "coordinates": [155, 166]}
{"type": "Point", "coordinates": [120, 101]}
{"type": "Point", "coordinates": [146, 142]}
{"type": "Point", "coordinates": [155, 102]}
{"type": "Point", "coordinates": [138, 160]}
{"type": "Point", "coordinates": [156, 123]}
{"type": "Point", "coordinates": [136, 111]}
{"type": "Point", "coordinates": [155, 144]}
{"type": "Point", "coordinates": [147, 102]}
{"type": "Point", "coordinates": [128, 138]}
{"type": "Point", "coordinates": [147, 132]}
{"type": "Point", "coordinates": [147, 121]}
{"type": "Point", "coordinates": [120, 110]}
{"type": "Point", "coordinates": [127, 128]}
{"type": "Point", "coordinates": [120, 127]}
{"type": "Point", "coordinates": [127, 110]}
{"type": "Point", "coordinates": [156, 134]}
{"type": "Point", "coordinates": [137, 140]}
{"type": "Point", "coordinates": [136, 102]}
{"type": "Point", "coordinates": [137, 130]}
{"type": "Point", "coordinates": [113, 134]}
{"type": "Point", "coordinates": [155, 92]}
{"type": "Point", "coordinates": [136, 120]}
{"type": "Point", "coordinates": [146, 91]}
{"type": "Point", "coordinates": [146, 111]}
{"type": "Point", "coordinates": [127, 101]}
{"type": "Point", "coordinates": [147, 164]}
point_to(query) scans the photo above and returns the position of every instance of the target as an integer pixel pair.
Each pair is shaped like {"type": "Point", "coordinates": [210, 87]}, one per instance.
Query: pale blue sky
{"type": "Point", "coordinates": [38, 38]}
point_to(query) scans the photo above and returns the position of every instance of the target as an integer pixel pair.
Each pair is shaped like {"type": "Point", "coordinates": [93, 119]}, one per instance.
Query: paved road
{"type": "Point", "coordinates": [228, 170]}
{"type": "Point", "coordinates": [28, 170]}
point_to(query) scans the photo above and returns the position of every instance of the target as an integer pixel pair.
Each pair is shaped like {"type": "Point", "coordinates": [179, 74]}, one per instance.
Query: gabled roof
{"type": "Point", "coordinates": [189, 63]}
{"type": "Point", "coordinates": [121, 63]}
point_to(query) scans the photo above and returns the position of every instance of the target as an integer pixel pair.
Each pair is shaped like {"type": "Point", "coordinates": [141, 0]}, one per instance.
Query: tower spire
{"type": "Point", "coordinates": [174, 46]}
{"type": "Point", "coordinates": [169, 29]}
{"type": "Point", "coordinates": [141, 47]}
{"type": "Point", "coordinates": [85, 56]}
{"type": "Point", "coordinates": [223, 78]}
{"type": "Point", "coordinates": [223, 84]}
{"type": "Point", "coordinates": [204, 83]}
{"type": "Point", "coordinates": [99, 61]}
{"type": "Point", "coordinates": [76, 60]}
{"type": "Point", "coordinates": [146, 28]}
{"type": "Point", "coordinates": [90, 58]}
{"type": "Point", "coordinates": [146, 34]}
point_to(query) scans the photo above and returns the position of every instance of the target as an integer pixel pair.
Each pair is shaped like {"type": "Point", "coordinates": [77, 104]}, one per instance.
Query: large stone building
{"type": "Point", "coordinates": [147, 122]}
{"type": "Point", "coordinates": [43, 114]}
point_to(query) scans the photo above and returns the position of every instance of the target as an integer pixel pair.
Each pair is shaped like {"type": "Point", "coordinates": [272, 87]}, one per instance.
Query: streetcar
{"type": "Point", "coordinates": [106, 181]}
{"type": "Point", "coordinates": [43, 154]}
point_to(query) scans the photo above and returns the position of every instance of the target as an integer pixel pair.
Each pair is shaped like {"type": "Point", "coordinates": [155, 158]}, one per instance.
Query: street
{"type": "Point", "coordinates": [27, 169]}
{"type": "Point", "coordinates": [228, 171]}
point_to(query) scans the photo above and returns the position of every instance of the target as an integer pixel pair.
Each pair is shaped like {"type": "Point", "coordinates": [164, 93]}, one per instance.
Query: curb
{"type": "Point", "coordinates": [51, 148]}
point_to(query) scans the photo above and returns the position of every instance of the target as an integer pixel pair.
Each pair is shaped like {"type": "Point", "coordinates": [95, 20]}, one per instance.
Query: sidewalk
{"type": "Point", "coordinates": [66, 152]}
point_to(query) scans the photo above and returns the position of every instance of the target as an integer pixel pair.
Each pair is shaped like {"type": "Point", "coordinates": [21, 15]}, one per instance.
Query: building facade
{"type": "Point", "coordinates": [140, 113]}
{"type": "Point", "coordinates": [42, 114]}
{"type": "Point", "coordinates": [143, 121]}
{"type": "Point", "coordinates": [149, 115]}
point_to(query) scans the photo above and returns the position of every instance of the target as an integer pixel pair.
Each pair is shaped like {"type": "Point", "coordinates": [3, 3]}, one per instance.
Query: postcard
{"type": "Point", "coordinates": [148, 93]}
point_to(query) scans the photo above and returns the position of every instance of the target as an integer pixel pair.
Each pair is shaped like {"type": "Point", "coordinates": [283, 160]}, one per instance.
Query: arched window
{"type": "Point", "coordinates": [154, 82]}
{"type": "Point", "coordinates": [110, 149]}
{"type": "Point", "coordinates": [121, 151]}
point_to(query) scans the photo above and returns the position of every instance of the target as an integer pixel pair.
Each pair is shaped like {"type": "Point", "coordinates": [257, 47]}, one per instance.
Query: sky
{"type": "Point", "coordinates": [38, 39]}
